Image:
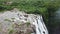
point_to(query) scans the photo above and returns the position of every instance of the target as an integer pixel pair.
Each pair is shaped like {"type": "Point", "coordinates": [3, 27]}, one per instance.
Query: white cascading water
{"type": "Point", "coordinates": [33, 19]}
{"type": "Point", "coordinates": [41, 26]}
{"type": "Point", "coordinates": [38, 22]}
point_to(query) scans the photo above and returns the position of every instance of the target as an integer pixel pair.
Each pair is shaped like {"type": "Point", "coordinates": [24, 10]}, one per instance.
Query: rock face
{"type": "Point", "coordinates": [25, 28]}
{"type": "Point", "coordinates": [18, 22]}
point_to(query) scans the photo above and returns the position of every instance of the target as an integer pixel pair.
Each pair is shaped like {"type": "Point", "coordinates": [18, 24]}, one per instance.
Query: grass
{"type": "Point", "coordinates": [42, 7]}
{"type": "Point", "coordinates": [11, 31]}
{"type": "Point", "coordinates": [7, 20]}
{"type": "Point", "coordinates": [13, 18]}
{"type": "Point", "coordinates": [28, 23]}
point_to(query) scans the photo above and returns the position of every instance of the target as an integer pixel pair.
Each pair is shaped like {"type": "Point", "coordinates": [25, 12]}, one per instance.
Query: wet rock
{"type": "Point", "coordinates": [25, 29]}
{"type": "Point", "coordinates": [16, 23]}
{"type": "Point", "coordinates": [19, 22]}
{"type": "Point", "coordinates": [25, 15]}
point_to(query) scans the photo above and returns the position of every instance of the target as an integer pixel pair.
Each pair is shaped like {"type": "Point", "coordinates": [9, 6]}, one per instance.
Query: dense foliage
{"type": "Point", "coordinates": [43, 7]}
{"type": "Point", "coordinates": [30, 6]}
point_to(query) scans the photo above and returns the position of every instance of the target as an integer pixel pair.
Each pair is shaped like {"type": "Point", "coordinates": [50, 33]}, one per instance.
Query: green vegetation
{"type": "Point", "coordinates": [12, 18]}
{"type": "Point", "coordinates": [7, 20]}
{"type": "Point", "coordinates": [31, 6]}
{"type": "Point", "coordinates": [28, 23]}
{"type": "Point", "coordinates": [46, 8]}
{"type": "Point", "coordinates": [11, 31]}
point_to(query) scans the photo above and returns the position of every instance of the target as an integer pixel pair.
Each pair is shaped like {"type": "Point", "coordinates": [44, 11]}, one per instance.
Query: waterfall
{"type": "Point", "coordinates": [39, 23]}
{"type": "Point", "coordinates": [40, 26]}
{"type": "Point", "coordinates": [18, 17]}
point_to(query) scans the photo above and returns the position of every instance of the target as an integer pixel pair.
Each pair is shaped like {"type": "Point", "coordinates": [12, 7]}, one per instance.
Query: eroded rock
{"type": "Point", "coordinates": [16, 23]}
{"type": "Point", "coordinates": [19, 22]}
